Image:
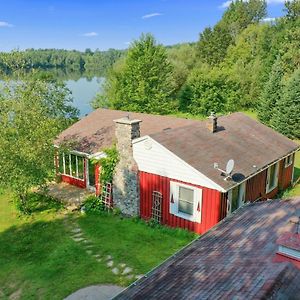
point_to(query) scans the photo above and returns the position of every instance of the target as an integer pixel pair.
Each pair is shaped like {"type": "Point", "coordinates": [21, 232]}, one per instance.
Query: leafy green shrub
{"type": "Point", "coordinates": [108, 164]}
{"type": "Point", "coordinates": [93, 204]}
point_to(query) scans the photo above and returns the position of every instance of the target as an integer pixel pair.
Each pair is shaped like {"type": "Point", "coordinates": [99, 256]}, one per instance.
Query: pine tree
{"type": "Point", "coordinates": [271, 94]}
{"type": "Point", "coordinates": [286, 117]}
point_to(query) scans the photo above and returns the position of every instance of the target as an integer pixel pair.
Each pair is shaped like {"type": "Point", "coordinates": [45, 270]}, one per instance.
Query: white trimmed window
{"type": "Point", "coordinates": [71, 165]}
{"type": "Point", "coordinates": [272, 177]}
{"type": "Point", "coordinates": [185, 201]}
{"type": "Point", "coordinates": [288, 160]}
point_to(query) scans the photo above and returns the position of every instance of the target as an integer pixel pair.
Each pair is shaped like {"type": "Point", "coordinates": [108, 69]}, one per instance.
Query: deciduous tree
{"type": "Point", "coordinates": [143, 82]}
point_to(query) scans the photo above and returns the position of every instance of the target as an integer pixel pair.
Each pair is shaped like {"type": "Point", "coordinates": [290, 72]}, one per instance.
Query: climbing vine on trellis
{"type": "Point", "coordinates": [108, 164]}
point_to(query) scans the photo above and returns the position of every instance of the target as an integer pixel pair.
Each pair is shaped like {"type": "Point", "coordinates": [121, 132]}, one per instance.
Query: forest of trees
{"type": "Point", "coordinates": [70, 61]}
{"type": "Point", "coordinates": [242, 63]}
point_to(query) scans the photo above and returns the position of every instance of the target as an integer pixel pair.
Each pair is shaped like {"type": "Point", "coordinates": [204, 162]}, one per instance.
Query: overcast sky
{"type": "Point", "coordinates": [103, 24]}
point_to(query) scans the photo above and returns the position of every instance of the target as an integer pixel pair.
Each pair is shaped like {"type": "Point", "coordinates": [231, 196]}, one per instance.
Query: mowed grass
{"type": "Point", "coordinates": [39, 260]}
{"type": "Point", "coordinates": [132, 241]}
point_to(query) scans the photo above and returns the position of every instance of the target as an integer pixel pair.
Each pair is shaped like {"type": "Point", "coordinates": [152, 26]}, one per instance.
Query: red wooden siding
{"type": "Point", "coordinates": [285, 175]}
{"type": "Point", "coordinates": [210, 203]}
{"type": "Point", "coordinates": [256, 186]}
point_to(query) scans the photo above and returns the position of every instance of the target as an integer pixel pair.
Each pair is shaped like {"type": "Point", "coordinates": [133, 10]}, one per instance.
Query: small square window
{"type": "Point", "coordinates": [288, 160]}
{"type": "Point", "coordinates": [272, 178]}
{"type": "Point", "coordinates": [186, 200]}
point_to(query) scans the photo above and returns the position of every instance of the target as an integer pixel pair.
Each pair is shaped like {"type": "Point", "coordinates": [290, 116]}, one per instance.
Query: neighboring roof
{"type": "Point", "coordinates": [238, 137]}
{"type": "Point", "coordinates": [97, 130]}
{"type": "Point", "coordinates": [290, 240]}
{"type": "Point", "coordinates": [234, 260]}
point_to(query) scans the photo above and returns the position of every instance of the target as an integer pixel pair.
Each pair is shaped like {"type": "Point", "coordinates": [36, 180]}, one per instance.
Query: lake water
{"type": "Point", "coordinates": [83, 91]}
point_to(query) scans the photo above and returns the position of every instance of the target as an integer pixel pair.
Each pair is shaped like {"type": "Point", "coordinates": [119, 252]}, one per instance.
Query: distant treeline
{"type": "Point", "coordinates": [70, 60]}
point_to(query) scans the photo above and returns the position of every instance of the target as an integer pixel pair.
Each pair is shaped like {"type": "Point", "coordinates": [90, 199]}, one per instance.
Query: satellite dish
{"type": "Point", "coordinates": [229, 166]}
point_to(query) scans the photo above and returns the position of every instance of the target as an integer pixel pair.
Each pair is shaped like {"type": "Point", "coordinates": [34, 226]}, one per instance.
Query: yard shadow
{"type": "Point", "coordinates": [43, 262]}
{"type": "Point", "coordinates": [39, 202]}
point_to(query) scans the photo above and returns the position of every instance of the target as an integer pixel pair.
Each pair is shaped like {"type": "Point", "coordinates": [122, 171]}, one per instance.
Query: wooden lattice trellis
{"type": "Point", "coordinates": [106, 195]}
{"type": "Point", "coordinates": [156, 206]}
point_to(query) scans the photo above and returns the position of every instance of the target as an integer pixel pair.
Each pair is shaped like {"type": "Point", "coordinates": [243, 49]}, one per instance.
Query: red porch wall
{"type": "Point", "coordinates": [75, 181]}
{"type": "Point", "coordinates": [97, 178]}
{"type": "Point", "coordinates": [211, 204]}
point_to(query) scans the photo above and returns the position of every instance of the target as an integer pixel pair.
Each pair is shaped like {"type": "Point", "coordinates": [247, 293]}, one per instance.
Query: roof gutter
{"type": "Point", "coordinates": [97, 155]}
{"type": "Point", "coordinates": [263, 168]}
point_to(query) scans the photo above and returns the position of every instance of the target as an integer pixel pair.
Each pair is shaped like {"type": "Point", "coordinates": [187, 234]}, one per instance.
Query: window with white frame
{"type": "Point", "coordinates": [185, 201]}
{"type": "Point", "coordinates": [71, 165]}
{"type": "Point", "coordinates": [272, 177]}
{"type": "Point", "coordinates": [288, 160]}
{"type": "Point", "coordinates": [236, 197]}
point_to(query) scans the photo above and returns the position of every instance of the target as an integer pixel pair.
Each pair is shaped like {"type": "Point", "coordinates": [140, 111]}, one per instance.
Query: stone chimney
{"type": "Point", "coordinates": [212, 123]}
{"type": "Point", "coordinates": [125, 182]}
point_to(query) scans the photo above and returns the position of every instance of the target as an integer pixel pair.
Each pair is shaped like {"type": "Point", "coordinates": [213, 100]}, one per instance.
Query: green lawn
{"type": "Point", "coordinates": [39, 260]}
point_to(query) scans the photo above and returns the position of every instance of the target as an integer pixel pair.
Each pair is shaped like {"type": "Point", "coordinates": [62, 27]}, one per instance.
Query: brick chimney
{"type": "Point", "coordinates": [125, 182]}
{"type": "Point", "coordinates": [212, 123]}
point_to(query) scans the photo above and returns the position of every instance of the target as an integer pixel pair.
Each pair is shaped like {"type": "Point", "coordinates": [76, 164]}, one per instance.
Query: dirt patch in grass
{"type": "Point", "coordinates": [16, 295]}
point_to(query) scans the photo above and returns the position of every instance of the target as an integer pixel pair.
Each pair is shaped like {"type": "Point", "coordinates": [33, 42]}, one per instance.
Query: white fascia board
{"type": "Point", "coordinates": [264, 168]}
{"type": "Point", "coordinates": [76, 152]}
{"type": "Point", "coordinates": [211, 184]}
{"type": "Point", "coordinates": [97, 155]}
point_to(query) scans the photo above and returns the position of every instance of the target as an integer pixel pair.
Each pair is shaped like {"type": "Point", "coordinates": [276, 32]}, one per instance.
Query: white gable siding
{"type": "Point", "coordinates": [152, 157]}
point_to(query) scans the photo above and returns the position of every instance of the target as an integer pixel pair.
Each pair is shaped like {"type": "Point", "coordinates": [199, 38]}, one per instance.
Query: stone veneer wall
{"type": "Point", "coordinates": [126, 194]}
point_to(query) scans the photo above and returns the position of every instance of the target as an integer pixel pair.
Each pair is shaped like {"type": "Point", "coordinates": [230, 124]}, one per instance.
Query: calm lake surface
{"type": "Point", "coordinates": [83, 91]}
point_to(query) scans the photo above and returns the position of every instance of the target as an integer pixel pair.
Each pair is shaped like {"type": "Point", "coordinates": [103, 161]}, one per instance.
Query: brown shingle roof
{"type": "Point", "coordinates": [234, 260]}
{"type": "Point", "coordinates": [239, 137]}
{"type": "Point", "coordinates": [97, 130]}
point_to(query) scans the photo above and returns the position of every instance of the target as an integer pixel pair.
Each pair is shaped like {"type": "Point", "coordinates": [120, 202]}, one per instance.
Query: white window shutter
{"type": "Point", "coordinates": [197, 205]}
{"type": "Point", "coordinates": [173, 198]}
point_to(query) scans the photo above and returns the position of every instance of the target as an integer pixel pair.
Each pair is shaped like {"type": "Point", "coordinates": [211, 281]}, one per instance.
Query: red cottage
{"type": "Point", "coordinates": [174, 170]}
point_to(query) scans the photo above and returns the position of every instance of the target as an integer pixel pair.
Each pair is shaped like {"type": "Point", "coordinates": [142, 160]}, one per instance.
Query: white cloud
{"type": "Point", "coordinates": [5, 24]}
{"type": "Point", "coordinates": [151, 15]}
{"type": "Point", "coordinates": [269, 19]}
{"type": "Point", "coordinates": [89, 34]}
{"type": "Point", "coordinates": [226, 4]}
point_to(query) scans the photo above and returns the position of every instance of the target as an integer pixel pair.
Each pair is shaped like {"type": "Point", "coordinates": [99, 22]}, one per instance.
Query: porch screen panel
{"type": "Point", "coordinates": [67, 164]}
{"type": "Point", "coordinates": [91, 173]}
{"type": "Point", "coordinates": [80, 167]}
{"type": "Point", "coordinates": [73, 165]}
{"type": "Point", "coordinates": [60, 163]}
